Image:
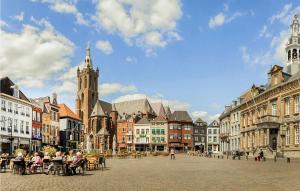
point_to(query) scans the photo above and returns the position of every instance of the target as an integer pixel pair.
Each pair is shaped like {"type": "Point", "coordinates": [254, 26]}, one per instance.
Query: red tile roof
{"type": "Point", "coordinates": [65, 111]}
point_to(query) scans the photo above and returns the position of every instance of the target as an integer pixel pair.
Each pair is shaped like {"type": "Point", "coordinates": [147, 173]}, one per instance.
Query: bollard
{"type": "Point", "coordinates": [247, 157]}
{"type": "Point", "coordinates": [214, 156]}
{"type": "Point", "coordinates": [275, 158]}
{"type": "Point", "coordinates": [288, 160]}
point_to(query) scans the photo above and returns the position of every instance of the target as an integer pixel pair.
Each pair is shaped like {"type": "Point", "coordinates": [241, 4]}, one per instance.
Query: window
{"type": "Point", "coordinates": [158, 131]}
{"type": "Point", "coordinates": [22, 110]}
{"type": "Point", "coordinates": [209, 131]}
{"type": "Point", "coordinates": [215, 131]}
{"type": "Point", "coordinates": [16, 126]}
{"type": "Point", "coordinates": [137, 131]}
{"type": "Point", "coordinates": [287, 106]}
{"type": "Point", "coordinates": [196, 131]}
{"type": "Point", "coordinates": [147, 139]}
{"type": "Point", "coordinates": [27, 127]}
{"type": "Point", "coordinates": [209, 139]}
{"type": "Point", "coordinates": [9, 106]}
{"type": "Point", "coordinates": [143, 131]}
{"type": "Point", "coordinates": [123, 130]}
{"type": "Point", "coordinates": [123, 139]}
{"type": "Point", "coordinates": [22, 127]}
{"type": "Point", "coordinates": [162, 131]}
{"type": "Point", "coordinates": [153, 131]}
{"type": "Point", "coordinates": [296, 104]}
{"type": "Point", "coordinates": [3, 123]}
{"type": "Point", "coordinates": [202, 139]}
{"type": "Point", "coordinates": [287, 136]}
{"type": "Point", "coordinates": [16, 109]}
{"type": "Point", "coordinates": [171, 136]}
{"type": "Point", "coordinates": [137, 139]}
{"type": "Point", "coordinates": [34, 115]}
{"type": "Point", "coordinates": [215, 139]}
{"type": "Point", "coordinates": [162, 139]}
{"type": "Point", "coordinates": [296, 135]}
{"type": "Point", "coordinates": [147, 131]}
{"type": "Point", "coordinates": [196, 139]}
{"type": "Point", "coordinates": [38, 116]}
{"type": "Point", "coordinates": [3, 105]}
{"type": "Point", "coordinates": [274, 108]}
{"type": "Point", "coordinates": [9, 124]}
{"type": "Point", "coordinates": [27, 112]}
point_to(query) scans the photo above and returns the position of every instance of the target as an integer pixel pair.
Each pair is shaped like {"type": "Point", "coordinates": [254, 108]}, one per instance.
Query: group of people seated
{"type": "Point", "coordinates": [68, 160]}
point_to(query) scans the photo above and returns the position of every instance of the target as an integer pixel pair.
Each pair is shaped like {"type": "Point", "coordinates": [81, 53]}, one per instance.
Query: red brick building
{"type": "Point", "coordinates": [36, 135]}
{"type": "Point", "coordinates": [180, 131]}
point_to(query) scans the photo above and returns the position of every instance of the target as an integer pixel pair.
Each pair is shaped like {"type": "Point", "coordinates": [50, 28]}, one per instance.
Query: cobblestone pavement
{"type": "Point", "coordinates": [160, 173]}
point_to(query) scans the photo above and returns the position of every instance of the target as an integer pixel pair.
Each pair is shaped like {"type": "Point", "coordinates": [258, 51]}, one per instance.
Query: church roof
{"type": "Point", "coordinates": [103, 131]}
{"type": "Point", "coordinates": [168, 112]}
{"type": "Point", "coordinates": [162, 116]}
{"type": "Point", "coordinates": [156, 107]}
{"type": "Point", "coordinates": [65, 111]}
{"type": "Point", "coordinates": [134, 107]}
{"type": "Point", "coordinates": [101, 108]}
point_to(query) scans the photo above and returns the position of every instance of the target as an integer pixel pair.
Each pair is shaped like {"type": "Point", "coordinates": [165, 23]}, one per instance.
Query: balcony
{"type": "Point", "coordinates": [291, 118]}
{"type": "Point", "coordinates": [268, 119]}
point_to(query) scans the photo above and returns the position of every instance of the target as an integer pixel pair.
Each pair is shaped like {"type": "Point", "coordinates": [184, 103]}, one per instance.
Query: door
{"type": "Point", "coordinates": [274, 143]}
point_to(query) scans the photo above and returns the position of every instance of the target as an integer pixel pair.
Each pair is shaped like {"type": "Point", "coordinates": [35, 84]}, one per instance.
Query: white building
{"type": "Point", "coordinates": [142, 135]}
{"type": "Point", "coordinates": [235, 131]}
{"type": "Point", "coordinates": [213, 143]}
{"type": "Point", "coordinates": [15, 116]}
{"type": "Point", "coordinates": [225, 127]}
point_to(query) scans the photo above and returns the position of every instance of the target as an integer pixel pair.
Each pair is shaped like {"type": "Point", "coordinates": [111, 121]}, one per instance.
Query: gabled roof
{"type": "Point", "coordinates": [6, 88]}
{"type": "Point", "coordinates": [215, 123]}
{"type": "Point", "coordinates": [134, 107]}
{"type": "Point", "coordinates": [181, 116]}
{"type": "Point", "coordinates": [156, 107]}
{"type": "Point", "coordinates": [103, 131]}
{"type": "Point", "coordinates": [199, 120]}
{"type": "Point", "coordinates": [162, 116]}
{"type": "Point", "coordinates": [101, 108]}
{"type": "Point", "coordinates": [144, 120]}
{"type": "Point", "coordinates": [65, 111]}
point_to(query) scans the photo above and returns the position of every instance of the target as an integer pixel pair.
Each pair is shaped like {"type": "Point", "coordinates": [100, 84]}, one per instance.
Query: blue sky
{"type": "Point", "coordinates": [194, 55]}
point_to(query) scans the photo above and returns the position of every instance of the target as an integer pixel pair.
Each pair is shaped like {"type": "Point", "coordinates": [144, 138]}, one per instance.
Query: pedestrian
{"type": "Point", "coordinates": [172, 154]}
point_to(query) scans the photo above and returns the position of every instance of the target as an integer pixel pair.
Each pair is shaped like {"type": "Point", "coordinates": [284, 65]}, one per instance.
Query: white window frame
{"type": "Point", "coordinates": [296, 135]}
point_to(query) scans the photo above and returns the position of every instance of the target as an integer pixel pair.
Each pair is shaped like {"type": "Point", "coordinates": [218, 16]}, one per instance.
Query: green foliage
{"type": "Point", "coordinates": [20, 151]}
{"type": "Point", "coordinates": [50, 150]}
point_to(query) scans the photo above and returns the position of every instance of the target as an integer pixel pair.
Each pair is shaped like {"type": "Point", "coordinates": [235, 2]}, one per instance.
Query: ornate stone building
{"type": "Point", "coordinates": [98, 117]}
{"type": "Point", "coordinates": [270, 113]}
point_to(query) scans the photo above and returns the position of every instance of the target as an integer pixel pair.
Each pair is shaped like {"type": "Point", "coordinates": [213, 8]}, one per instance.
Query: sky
{"type": "Point", "coordinates": [189, 54]}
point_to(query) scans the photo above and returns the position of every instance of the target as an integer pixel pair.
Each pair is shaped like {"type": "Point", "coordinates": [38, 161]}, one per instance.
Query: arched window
{"type": "Point", "coordinates": [85, 82]}
{"type": "Point", "coordinates": [80, 81]}
{"type": "Point", "coordinates": [289, 55]}
{"type": "Point", "coordinates": [82, 99]}
{"type": "Point", "coordinates": [294, 54]}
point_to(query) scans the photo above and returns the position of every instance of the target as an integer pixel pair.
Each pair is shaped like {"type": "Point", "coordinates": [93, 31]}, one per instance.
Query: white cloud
{"type": "Point", "coordinates": [223, 17]}
{"type": "Point", "coordinates": [205, 116]}
{"type": "Point", "coordinates": [19, 17]}
{"type": "Point", "coordinates": [275, 54]}
{"type": "Point", "coordinates": [104, 46]}
{"type": "Point", "coordinates": [67, 7]}
{"type": "Point", "coordinates": [131, 59]}
{"type": "Point", "coordinates": [217, 20]}
{"type": "Point", "coordinates": [281, 15]}
{"type": "Point", "coordinates": [46, 54]}
{"type": "Point", "coordinates": [144, 23]}
{"type": "Point", "coordinates": [3, 23]}
{"type": "Point", "coordinates": [264, 32]}
{"type": "Point", "coordinates": [173, 104]}
{"type": "Point", "coordinates": [112, 88]}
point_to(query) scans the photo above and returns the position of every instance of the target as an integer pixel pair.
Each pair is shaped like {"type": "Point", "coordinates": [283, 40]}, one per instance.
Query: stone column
{"type": "Point", "coordinates": [268, 137]}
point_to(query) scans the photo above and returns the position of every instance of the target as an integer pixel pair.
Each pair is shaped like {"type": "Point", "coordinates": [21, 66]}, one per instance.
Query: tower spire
{"type": "Point", "coordinates": [88, 60]}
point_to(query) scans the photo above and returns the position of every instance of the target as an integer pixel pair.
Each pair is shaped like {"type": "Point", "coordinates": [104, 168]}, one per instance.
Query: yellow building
{"type": "Point", "coordinates": [270, 114]}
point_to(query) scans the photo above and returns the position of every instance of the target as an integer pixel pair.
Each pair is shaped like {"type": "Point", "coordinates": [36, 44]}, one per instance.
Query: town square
{"type": "Point", "coordinates": [149, 95]}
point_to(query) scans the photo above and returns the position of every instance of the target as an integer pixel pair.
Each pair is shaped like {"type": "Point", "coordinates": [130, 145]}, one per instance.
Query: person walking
{"type": "Point", "coordinates": [172, 154]}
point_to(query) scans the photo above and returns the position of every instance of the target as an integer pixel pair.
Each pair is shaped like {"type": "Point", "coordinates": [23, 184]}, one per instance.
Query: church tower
{"type": "Point", "coordinates": [293, 48]}
{"type": "Point", "coordinates": [87, 90]}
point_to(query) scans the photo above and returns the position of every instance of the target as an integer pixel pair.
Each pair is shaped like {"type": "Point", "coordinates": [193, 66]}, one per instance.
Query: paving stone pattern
{"type": "Point", "coordinates": [160, 173]}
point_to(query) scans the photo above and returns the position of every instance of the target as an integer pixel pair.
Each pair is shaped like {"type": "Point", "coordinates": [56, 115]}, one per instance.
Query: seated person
{"type": "Point", "coordinates": [75, 162]}
{"type": "Point", "coordinates": [36, 161]}
{"type": "Point", "coordinates": [57, 157]}
{"type": "Point", "coordinates": [22, 164]}
{"type": "Point", "coordinates": [46, 157]}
